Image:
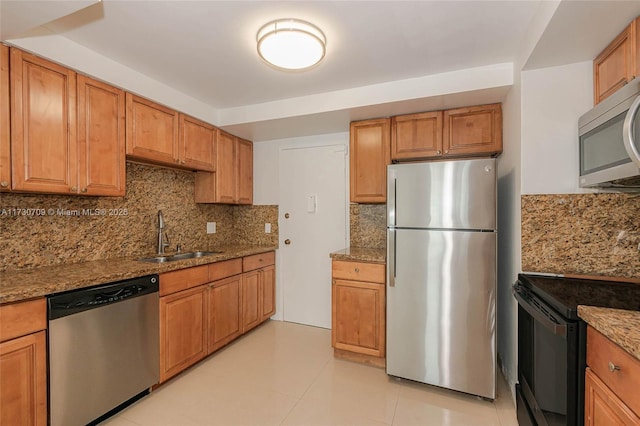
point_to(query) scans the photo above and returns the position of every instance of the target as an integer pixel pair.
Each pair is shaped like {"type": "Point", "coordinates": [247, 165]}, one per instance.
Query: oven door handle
{"type": "Point", "coordinates": [555, 328]}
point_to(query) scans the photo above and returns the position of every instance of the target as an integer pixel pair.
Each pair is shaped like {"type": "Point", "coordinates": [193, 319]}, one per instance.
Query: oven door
{"type": "Point", "coordinates": [549, 364]}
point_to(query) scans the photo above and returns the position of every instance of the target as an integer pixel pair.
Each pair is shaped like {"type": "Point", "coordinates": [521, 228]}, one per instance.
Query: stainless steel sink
{"type": "Point", "coordinates": [178, 256]}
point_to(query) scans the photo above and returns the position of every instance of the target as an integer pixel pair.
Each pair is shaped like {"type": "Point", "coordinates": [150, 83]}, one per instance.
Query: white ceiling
{"type": "Point", "coordinates": [206, 50]}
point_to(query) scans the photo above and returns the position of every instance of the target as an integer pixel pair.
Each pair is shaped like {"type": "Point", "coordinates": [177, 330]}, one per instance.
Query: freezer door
{"type": "Point", "coordinates": [441, 309]}
{"type": "Point", "coordinates": [445, 194]}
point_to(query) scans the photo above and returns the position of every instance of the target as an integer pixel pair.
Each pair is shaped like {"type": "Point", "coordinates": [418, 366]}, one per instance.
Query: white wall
{"type": "Point", "coordinates": [552, 101]}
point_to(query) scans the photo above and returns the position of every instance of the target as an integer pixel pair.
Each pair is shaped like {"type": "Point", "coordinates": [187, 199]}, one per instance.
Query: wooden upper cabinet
{"type": "Point", "coordinates": [416, 136]}
{"type": "Point", "coordinates": [472, 131]}
{"type": "Point", "coordinates": [197, 144]}
{"type": "Point", "coordinates": [244, 166]}
{"type": "Point", "coordinates": [152, 131]}
{"type": "Point", "coordinates": [369, 157]}
{"type": "Point", "coordinates": [101, 138]}
{"type": "Point", "coordinates": [43, 125]}
{"type": "Point", "coordinates": [5, 141]}
{"type": "Point", "coordinates": [232, 183]}
{"type": "Point", "coordinates": [618, 63]}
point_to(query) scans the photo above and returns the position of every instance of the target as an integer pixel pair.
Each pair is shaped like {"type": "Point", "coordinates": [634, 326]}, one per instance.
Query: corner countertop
{"type": "Point", "coordinates": [30, 283]}
{"type": "Point", "coordinates": [360, 254]}
{"type": "Point", "coordinates": [620, 326]}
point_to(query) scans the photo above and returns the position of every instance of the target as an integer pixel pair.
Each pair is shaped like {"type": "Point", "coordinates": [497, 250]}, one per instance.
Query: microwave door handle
{"type": "Point", "coordinates": [631, 142]}
{"type": "Point", "coordinates": [557, 329]}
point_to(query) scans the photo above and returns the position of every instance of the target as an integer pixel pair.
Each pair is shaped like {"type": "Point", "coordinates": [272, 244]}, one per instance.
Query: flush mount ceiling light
{"type": "Point", "coordinates": [291, 44]}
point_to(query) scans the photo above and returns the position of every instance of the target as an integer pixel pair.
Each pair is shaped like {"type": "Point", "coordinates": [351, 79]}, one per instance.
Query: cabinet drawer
{"type": "Point", "coordinates": [18, 319]}
{"type": "Point", "coordinates": [358, 271]}
{"type": "Point", "coordinates": [183, 279]}
{"type": "Point", "coordinates": [249, 263]}
{"type": "Point", "coordinates": [228, 268]}
{"type": "Point", "coordinates": [624, 382]}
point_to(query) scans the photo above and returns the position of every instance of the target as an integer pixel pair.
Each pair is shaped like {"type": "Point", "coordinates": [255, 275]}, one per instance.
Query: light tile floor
{"type": "Point", "coordinates": [285, 374]}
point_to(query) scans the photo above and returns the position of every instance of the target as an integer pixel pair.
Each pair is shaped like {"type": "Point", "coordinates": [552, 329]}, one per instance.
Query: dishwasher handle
{"type": "Point", "coordinates": [76, 301]}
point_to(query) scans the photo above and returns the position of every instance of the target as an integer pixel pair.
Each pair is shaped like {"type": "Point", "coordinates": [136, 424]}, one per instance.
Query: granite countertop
{"type": "Point", "coordinates": [30, 283]}
{"type": "Point", "coordinates": [620, 326]}
{"type": "Point", "coordinates": [360, 254]}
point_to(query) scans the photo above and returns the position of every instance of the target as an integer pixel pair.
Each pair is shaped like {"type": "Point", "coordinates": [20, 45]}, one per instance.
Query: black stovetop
{"type": "Point", "coordinates": [565, 294]}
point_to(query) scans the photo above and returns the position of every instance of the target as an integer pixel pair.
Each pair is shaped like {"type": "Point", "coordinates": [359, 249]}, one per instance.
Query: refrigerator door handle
{"type": "Point", "coordinates": [391, 197]}
{"type": "Point", "coordinates": [391, 267]}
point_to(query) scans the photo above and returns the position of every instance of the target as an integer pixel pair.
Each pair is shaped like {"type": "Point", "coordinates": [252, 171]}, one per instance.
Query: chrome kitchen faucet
{"type": "Point", "coordinates": [161, 240]}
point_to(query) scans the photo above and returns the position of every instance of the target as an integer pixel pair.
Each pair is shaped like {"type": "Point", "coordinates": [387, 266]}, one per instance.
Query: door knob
{"type": "Point", "coordinates": [287, 241]}
{"type": "Point", "coordinates": [286, 215]}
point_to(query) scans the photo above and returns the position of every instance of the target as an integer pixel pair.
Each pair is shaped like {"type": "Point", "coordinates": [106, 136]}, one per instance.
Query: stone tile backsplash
{"type": "Point", "coordinates": [75, 229]}
{"type": "Point", "coordinates": [586, 234]}
{"type": "Point", "coordinates": [368, 225]}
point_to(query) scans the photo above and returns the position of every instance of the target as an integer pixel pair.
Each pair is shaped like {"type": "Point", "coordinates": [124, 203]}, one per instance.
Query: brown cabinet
{"type": "Point", "coordinates": [5, 135]}
{"type": "Point", "coordinates": [67, 130]}
{"type": "Point", "coordinates": [44, 148]}
{"type": "Point", "coordinates": [225, 322]}
{"type": "Point", "coordinates": [197, 141]}
{"type": "Point", "coordinates": [618, 63]}
{"type": "Point", "coordinates": [232, 182]}
{"type": "Point", "coordinates": [101, 138]}
{"type": "Point", "coordinates": [416, 136]}
{"type": "Point", "coordinates": [612, 381]}
{"type": "Point", "coordinates": [152, 131]}
{"type": "Point", "coordinates": [258, 289]}
{"type": "Point", "coordinates": [369, 156]}
{"type": "Point", "coordinates": [472, 131]}
{"type": "Point", "coordinates": [358, 311]}
{"type": "Point", "coordinates": [23, 363]}
{"type": "Point", "coordinates": [183, 319]}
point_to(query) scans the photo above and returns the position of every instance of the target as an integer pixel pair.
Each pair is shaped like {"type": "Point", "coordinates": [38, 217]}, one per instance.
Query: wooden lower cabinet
{"type": "Point", "coordinates": [225, 322]}
{"type": "Point", "coordinates": [358, 311]}
{"type": "Point", "coordinates": [268, 292]}
{"type": "Point", "coordinates": [258, 289]}
{"type": "Point", "coordinates": [183, 333]}
{"type": "Point", "coordinates": [250, 300]}
{"type": "Point", "coordinates": [612, 383]}
{"type": "Point", "coordinates": [603, 407]}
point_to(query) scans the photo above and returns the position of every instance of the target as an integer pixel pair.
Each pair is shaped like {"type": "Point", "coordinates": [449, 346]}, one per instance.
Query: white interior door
{"type": "Point", "coordinates": [312, 224]}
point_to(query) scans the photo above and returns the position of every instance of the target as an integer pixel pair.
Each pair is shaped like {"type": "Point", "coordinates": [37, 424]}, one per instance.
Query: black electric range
{"type": "Point", "coordinates": [552, 343]}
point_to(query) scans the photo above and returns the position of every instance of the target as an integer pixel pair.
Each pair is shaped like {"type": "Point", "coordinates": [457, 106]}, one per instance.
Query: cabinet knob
{"type": "Point", "coordinates": [183, 162]}
{"type": "Point", "coordinates": [333, 282]}
{"type": "Point", "coordinates": [287, 241]}
{"type": "Point", "coordinates": [357, 269]}
{"type": "Point", "coordinates": [4, 184]}
{"type": "Point", "coordinates": [84, 190]}
{"type": "Point", "coordinates": [613, 367]}
{"type": "Point", "coordinates": [73, 189]}
{"type": "Point", "coordinates": [447, 151]}
{"type": "Point", "coordinates": [438, 152]}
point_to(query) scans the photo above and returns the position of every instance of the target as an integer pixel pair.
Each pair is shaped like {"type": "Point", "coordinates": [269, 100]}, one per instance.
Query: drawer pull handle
{"type": "Point", "coordinates": [613, 367]}
{"type": "Point", "coordinates": [357, 269]}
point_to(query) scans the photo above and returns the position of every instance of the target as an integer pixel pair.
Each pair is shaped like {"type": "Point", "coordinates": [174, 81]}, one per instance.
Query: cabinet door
{"type": "Point", "coordinates": [602, 407]}
{"type": "Point", "coordinates": [23, 380]}
{"type": "Point", "coordinates": [43, 125]}
{"type": "Point", "coordinates": [197, 144]}
{"type": "Point", "coordinates": [473, 131]}
{"type": "Point", "coordinates": [268, 289]}
{"type": "Point", "coordinates": [244, 169]}
{"type": "Point", "coordinates": [615, 66]}
{"type": "Point", "coordinates": [369, 157]}
{"type": "Point", "coordinates": [5, 150]}
{"type": "Point", "coordinates": [358, 317]}
{"type": "Point", "coordinates": [182, 330]}
{"type": "Point", "coordinates": [101, 138]}
{"type": "Point", "coordinates": [152, 131]}
{"type": "Point", "coordinates": [250, 300]}
{"type": "Point", "coordinates": [225, 322]}
{"type": "Point", "coordinates": [225, 177]}
{"type": "Point", "coordinates": [416, 136]}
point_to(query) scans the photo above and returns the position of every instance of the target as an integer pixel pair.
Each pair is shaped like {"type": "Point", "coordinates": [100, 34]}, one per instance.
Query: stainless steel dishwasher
{"type": "Point", "coordinates": [103, 348]}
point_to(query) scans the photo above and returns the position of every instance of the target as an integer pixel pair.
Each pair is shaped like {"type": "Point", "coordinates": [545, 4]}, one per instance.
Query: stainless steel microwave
{"type": "Point", "coordinates": [610, 141]}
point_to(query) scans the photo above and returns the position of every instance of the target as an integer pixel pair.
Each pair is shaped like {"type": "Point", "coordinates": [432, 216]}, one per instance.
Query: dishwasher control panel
{"type": "Point", "coordinates": [75, 301]}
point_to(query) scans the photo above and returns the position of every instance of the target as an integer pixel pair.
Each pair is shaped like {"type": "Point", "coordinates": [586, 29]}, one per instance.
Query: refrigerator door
{"type": "Point", "coordinates": [441, 309]}
{"type": "Point", "coordinates": [446, 194]}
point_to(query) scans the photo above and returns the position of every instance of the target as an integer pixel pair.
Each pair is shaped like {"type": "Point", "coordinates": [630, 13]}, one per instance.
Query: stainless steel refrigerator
{"type": "Point", "coordinates": [441, 274]}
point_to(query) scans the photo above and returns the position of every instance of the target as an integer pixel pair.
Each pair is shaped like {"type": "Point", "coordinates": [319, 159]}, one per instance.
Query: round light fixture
{"type": "Point", "coordinates": [291, 44]}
